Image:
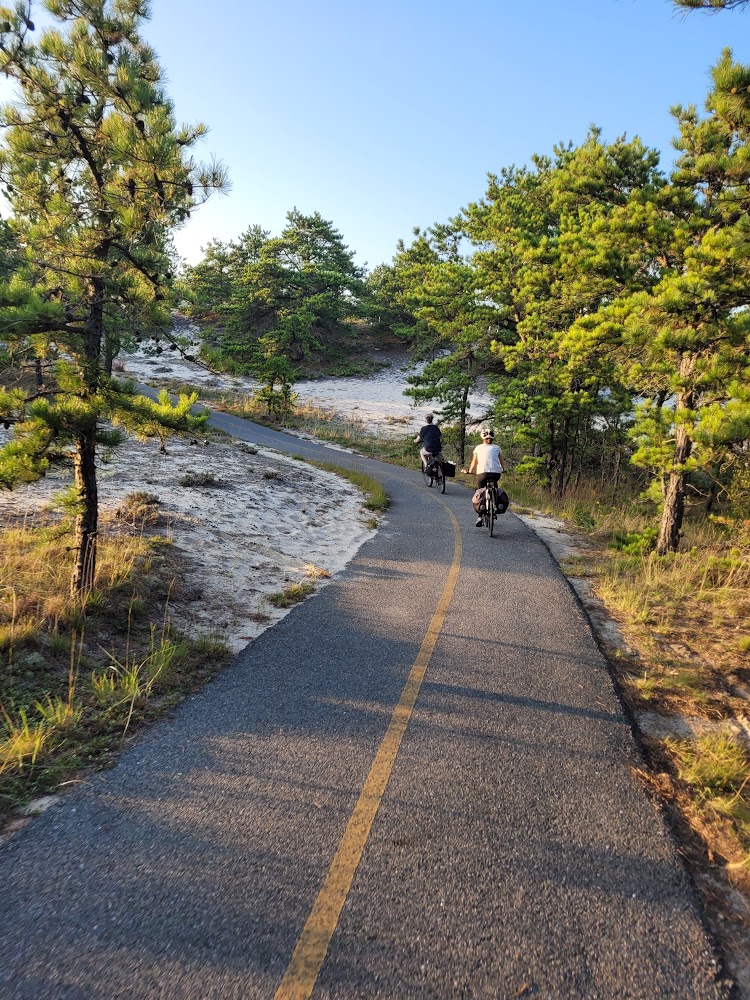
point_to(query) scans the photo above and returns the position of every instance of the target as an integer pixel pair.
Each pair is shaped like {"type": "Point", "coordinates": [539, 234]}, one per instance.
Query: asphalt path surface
{"type": "Point", "coordinates": [509, 853]}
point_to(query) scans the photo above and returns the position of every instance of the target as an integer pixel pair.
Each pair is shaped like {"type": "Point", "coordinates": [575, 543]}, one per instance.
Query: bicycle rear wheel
{"type": "Point", "coordinates": [440, 479]}
{"type": "Point", "coordinates": [490, 504]}
{"type": "Point", "coordinates": [426, 475]}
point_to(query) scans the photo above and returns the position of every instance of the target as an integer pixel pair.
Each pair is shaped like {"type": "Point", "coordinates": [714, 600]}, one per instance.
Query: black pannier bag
{"type": "Point", "coordinates": [503, 500]}
{"type": "Point", "coordinates": [449, 469]}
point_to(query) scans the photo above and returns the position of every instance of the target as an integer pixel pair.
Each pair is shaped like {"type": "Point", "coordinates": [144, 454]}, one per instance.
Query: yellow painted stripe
{"type": "Point", "coordinates": [310, 952]}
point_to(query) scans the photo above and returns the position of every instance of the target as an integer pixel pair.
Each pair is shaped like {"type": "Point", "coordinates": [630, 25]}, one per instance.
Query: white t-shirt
{"type": "Point", "coordinates": [488, 458]}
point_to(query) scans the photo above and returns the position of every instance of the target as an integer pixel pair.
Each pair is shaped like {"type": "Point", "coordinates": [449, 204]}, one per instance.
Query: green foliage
{"type": "Point", "coordinates": [710, 5]}
{"type": "Point", "coordinates": [211, 283]}
{"type": "Point", "coordinates": [634, 543]}
{"type": "Point", "coordinates": [539, 263]}
{"type": "Point", "coordinates": [682, 341]}
{"type": "Point", "coordinates": [452, 329]}
{"type": "Point", "coordinates": [291, 595]}
{"type": "Point", "coordinates": [605, 304]}
{"type": "Point", "coordinates": [716, 764]}
{"type": "Point", "coordinates": [96, 173]}
{"type": "Point", "coordinates": [382, 303]}
{"type": "Point", "coordinates": [275, 393]}
{"type": "Point", "coordinates": [287, 296]}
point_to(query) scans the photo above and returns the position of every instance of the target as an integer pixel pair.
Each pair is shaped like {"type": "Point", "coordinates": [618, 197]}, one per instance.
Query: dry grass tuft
{"type": "Point", "coordinates": [291, 595]}
{"type": "Point", "coordinates": [38, 565]}
{"type": "Point", "coordinates": [688, 616]}
{"type": "Point", "coordinates": [76, 672]}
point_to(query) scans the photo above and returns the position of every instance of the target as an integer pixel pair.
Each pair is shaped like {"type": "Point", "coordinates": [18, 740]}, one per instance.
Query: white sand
{"type": "Point", "coordinates": [250, 537]}
{"type": "Point", "coordinates": [253, 535]}
{"type": "Point", "coordinates": [378, 400]}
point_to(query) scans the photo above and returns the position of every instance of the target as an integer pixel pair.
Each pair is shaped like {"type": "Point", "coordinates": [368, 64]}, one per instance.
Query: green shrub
{"type": "Point", "coordinates": [634, 543]}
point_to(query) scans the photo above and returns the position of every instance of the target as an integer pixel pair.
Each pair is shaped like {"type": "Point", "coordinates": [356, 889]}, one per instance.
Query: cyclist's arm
{"type": "Point", "coordinates": [473, 463]}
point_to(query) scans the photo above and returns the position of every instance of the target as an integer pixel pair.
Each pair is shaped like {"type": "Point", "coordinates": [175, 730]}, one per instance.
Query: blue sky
{"type": "Point", "coordinates": [389, 115]}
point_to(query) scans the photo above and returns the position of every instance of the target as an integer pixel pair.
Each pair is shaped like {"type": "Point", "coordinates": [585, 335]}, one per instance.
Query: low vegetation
{"type": "Point", "coordinates": [77, 673]}
{"type": "Point", "coordinates": [324, 426]}
{"type": "Point", "coordinates": [377, 498]}
{"type": "Point", "coordinates": [292, 594]}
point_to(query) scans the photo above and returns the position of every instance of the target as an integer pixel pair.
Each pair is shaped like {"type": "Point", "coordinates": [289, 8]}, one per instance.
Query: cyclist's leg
{"type": "Point", "coordinates": [428, 468]}
{"type": "Point", "coordinates": [494, 478]}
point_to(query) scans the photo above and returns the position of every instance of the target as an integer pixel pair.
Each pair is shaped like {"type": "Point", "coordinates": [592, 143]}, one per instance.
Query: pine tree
{"type": "Point", "coordinates": [684, 343]}
{"type": "Point", "coordinates": [210, 284]}
{"type": "Point", "coordinates": [96, 173]}
{"type": "Point", "coordinates": [710, 5]}
{"type": "Point", "coordinates": [536, 260]}
{"type": "Point", "coordinates": [297, 294]}
{"type": "Point", "coordinates": [453, 328]}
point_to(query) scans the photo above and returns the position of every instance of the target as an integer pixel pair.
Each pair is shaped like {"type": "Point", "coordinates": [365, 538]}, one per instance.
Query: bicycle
{"type": "Point", "coordinates": [490, 508]}
{"type": "Point", "coordinates": [433, 474]}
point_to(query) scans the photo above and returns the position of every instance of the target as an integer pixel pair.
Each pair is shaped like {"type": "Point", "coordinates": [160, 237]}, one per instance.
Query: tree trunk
{"type": "Point", "coordinates": [576, 453]}
{"type": "Point", "coordinates": [672, 514]}
{"type": "Point", "coordinates": [88, 513]}
{"type": "Point", "coordinates": [674, 497]}
{"type": "Point", "coordinates": [84, 571]}
{"type": "Point", "coordinates": [38, 373]}
{"type": "Point", "coordinates": [111, 350]}
{"type": "Point", "coordinates": [562, 457]}
{"type": "Point", "coordinates": [713, 493]}
{"type": "Point", "coordinates": [462, 427]}
{"type": "Point", "coordinates": [550, 453]}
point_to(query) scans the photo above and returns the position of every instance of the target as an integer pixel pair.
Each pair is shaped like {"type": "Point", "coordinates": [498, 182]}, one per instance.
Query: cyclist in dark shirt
{"type": "Point", "coordinates": [431, 440]}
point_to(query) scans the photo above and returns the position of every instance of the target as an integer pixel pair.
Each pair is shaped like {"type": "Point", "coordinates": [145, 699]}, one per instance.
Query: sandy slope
{"type": "Point", "coordinates": [266, 523]}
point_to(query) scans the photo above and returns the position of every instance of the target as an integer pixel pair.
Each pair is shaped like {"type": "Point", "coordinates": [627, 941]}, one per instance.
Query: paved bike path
{"type": "Point", "coordinates": [512, 853]}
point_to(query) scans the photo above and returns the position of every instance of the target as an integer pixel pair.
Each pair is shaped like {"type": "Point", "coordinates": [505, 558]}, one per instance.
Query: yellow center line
{"type": "Point", "coordinates": [312, 947]}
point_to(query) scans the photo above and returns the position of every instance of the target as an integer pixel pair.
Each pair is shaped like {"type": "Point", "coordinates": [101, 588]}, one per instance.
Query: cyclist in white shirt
{"type": "Point", "coordinates": [487, 462]}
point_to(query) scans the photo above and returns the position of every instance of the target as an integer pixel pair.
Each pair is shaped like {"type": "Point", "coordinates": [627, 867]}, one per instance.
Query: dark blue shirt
{"type": "Point", "coordinates": [431, 438]}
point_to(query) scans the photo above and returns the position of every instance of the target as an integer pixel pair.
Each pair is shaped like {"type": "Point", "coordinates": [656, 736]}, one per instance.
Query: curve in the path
{"type": "Point", "coordinates": [508, 853]}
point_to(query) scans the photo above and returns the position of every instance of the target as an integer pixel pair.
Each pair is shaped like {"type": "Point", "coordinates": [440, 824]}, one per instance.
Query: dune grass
{"type": "Point", "coordinates": [377, 498]}
{"type": "Point", "coordinates": [76, 673]}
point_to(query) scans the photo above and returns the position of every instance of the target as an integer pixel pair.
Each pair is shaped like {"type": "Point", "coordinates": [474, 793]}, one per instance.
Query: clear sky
{"type": "Point", "coordinates": [389, 115]}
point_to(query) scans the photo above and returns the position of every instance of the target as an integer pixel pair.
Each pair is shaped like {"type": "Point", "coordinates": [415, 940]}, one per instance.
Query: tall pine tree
{"type": "Point", "coordinates": [684, 343]}
{"type": "Point", "coordinates": [96, 172]}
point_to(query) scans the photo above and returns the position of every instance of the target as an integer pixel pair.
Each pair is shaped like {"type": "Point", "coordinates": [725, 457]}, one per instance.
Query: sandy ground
{"type": "Point", "coordinates": [378, 400]}
{"type": "Point", "coordinates": [244, 537]}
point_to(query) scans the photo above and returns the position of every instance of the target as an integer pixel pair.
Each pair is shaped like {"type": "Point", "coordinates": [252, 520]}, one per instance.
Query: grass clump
{"type": "Point", "coordinates": [377, 499]}
{"type": "Point", "coordinates": [139, 507]}
{"type": "Point", "coordinates": [715, 764]}
{"type": "Point", "coordinates": [316, 572]}
{"type": "Point", "coordinates": [291, 595]}
{"type": "Point", "coordinates": [22, 741]}
{"type": "Point", "coordinates": [77, 672]}
{"type": "Point", "coordinates": [716, 768]}
{"type": "Point", "coordinates": [200, 479]}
